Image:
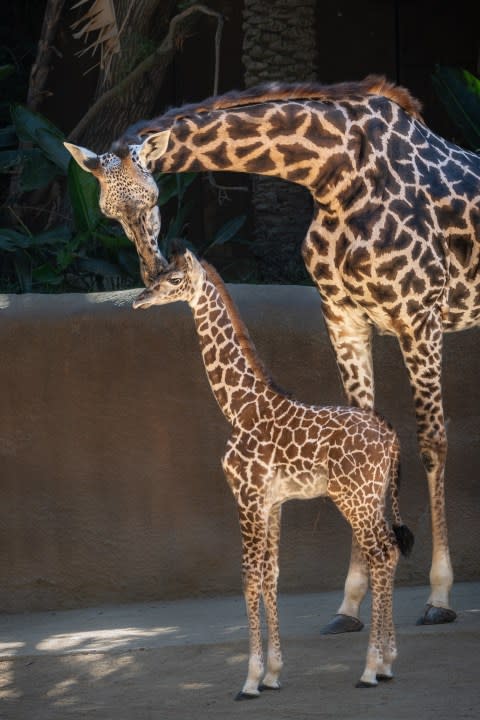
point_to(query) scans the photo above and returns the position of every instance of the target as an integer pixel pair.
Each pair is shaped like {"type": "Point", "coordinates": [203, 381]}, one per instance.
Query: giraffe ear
{"type": "Point", "coordinates": [190, 260]}
{"type": "Point", "coordinates": [87, 159]}
{"type": "Point", "coordinates": [152, 148]}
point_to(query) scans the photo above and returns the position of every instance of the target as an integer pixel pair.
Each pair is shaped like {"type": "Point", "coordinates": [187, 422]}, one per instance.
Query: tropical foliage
{"type": "Point", "coordinates": [459, 91]}
{"type": "Point", "coordinates": [85, 251]}
{"type": "Point", "coordinates": [53, 237]}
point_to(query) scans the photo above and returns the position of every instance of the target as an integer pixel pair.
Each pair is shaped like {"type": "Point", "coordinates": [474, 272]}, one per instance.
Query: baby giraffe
{"type": "Point", "coordinates": [281, 449]}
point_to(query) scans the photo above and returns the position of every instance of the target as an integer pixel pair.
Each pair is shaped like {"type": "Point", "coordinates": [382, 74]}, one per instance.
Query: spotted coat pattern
{"type": "Point", "coordinates": [394, 241]}
{"type": "Point", "coordinates": [280, 449]}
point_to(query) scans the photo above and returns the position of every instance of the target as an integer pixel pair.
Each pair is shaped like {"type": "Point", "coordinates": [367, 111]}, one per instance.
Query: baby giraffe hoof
{"type": "Point", "coordinates": [364, 684]}
{"type": "Point", "coordinates": [263, 687]}
{"type": "Point", "coordinates": [246, 696]}
{"type": "Point", "coordinates": [384, 678]}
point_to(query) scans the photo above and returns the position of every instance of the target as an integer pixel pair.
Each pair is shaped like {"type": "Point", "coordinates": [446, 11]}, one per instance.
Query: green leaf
{"type": "Point", "coordinates": [460, 101]}
{"type": "Point", "coordinates": [173, 185]}
{"type": "Point", "coordinates": [176, 226]}
{"type": "Point", "coordinates": [84, 192]}
{"type": "Point", "coordinates": [111, 241]}
{"type": "Point", "coordinates": [184, 180]}
{"type": "Point", "coordinates": [37, 171]}
{"type": "Point", "coordinates": [8, 159]}
{"type": "Point", "coordinates": [227, 231]}
{"type": "Point", "coordinates": [57, 236]}
{"type": "Point", "coordinates": [53, 148]}
{"type": "Point", "coordinates": [128, 260]}
{"type": "Point", "coordinates": [8, 136]}
{"type": "Point", "coordinates": [28, 123]}
{"type": "Point", "coordinates": [471, 81]}
{"type": "Point", "coordinates": [12, 240]}
{"type": "Point", "coordinates": [6, 70]}
{"type": "Point", "coordinates": [23, 270]}
{"type": "Point", "coordinates": [64, 257]}
{"type": "Point", "coordinates": [167, 188]}
{"type": "Point", "coordinates": [99, 267]}
{"type": "Point", "coordinates": [46, 274]}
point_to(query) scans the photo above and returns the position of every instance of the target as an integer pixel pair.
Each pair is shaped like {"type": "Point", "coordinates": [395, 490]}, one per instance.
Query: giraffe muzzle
{"type": "Point", "coordinates": [143, 300]}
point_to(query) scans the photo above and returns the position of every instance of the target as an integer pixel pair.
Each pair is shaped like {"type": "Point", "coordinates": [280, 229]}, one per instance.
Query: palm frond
{"type": "Point", "coordinates": [100, 18]}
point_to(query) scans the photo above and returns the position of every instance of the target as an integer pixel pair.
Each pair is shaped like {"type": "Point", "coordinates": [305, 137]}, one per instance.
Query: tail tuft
{"type": "Point", "coordinates": [405, 539]}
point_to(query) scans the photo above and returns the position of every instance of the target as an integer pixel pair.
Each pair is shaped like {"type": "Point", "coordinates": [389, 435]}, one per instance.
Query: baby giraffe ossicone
{"type": "Point", "coordinates": [281, 449]}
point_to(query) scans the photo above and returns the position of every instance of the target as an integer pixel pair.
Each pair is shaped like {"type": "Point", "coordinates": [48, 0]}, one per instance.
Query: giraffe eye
{"type": "Point", "coordinates": [175, 280]}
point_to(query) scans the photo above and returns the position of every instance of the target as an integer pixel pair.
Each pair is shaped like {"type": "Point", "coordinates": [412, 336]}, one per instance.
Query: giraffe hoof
{"type": "Point", "coordinates": [246, 696]}
{"type": "Point", "coordinates": [384, 678]}
{"type": "Point", "coordinates": [342, 624]}
{"type": "Point", "coordinates": [436, 616]}
{"type": "Point", "coordinates": [263, 687]}
{"type": "Point", "coordinates": [363, 684]}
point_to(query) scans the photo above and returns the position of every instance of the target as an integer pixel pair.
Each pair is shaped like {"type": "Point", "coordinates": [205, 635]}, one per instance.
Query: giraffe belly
{"type": "Point", "coordinates": [381, 320]}
{"type": "Point", "coordinates": [298, 486]}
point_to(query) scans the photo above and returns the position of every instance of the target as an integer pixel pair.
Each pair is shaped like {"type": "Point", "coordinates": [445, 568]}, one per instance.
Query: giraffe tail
{"type": "Point", "coordinates": [405, 539]}
{"type": "Point", "coordinates": [403, 535]}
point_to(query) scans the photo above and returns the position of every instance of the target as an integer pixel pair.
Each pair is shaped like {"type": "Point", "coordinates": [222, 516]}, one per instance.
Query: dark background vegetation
{"type": "Point", "coordinates": [52, 237]}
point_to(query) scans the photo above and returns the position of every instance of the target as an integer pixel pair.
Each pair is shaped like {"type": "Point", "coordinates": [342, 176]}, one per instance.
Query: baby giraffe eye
{"type": "Point", "coordinates": [175, 280]}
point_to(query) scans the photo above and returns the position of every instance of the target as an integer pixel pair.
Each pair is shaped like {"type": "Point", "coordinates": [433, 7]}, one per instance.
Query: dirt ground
{"type": "Point", "coordinates": [145, 678]}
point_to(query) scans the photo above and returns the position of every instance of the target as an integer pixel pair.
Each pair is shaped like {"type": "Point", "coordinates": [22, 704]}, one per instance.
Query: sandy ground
{"type": "Point", "coordinates": [186, 660]}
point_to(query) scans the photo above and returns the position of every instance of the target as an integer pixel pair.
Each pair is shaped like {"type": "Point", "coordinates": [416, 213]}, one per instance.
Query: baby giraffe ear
{"type": "Point", "coordinates": [152, 149]}
{"type": "Point", "coordinates": [87, 159]}
{"type": "Point", "coordinates": [190, 260]}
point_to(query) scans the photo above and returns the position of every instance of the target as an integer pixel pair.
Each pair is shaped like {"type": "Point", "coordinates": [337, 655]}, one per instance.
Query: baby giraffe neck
{"type": "Point", "coordinates": [235, 373]}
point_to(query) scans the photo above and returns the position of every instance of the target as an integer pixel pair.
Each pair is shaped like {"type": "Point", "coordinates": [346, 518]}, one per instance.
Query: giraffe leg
{"type": "Point", "coordinates": [254, 535]}
{"type": "Point", "coordinates": [422, 352]}
{"type": "Point", "coordinates": [355, 588]}
{"type": "Point", "coordinates": [382, 561]}
{"type": "Point", "coordinates": [350, 336]}
{"type": "Point", "coordinates": [270, 580]}
{"type": "Point", "coordinates": [366, 515]}
{"type": "Point", "coordinates": [384, 669]}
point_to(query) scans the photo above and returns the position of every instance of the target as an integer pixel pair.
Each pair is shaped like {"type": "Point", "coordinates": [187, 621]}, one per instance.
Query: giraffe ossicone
{"type": "Point", "coordinates": [281, 449]}
{"type": "Point", "coordinates": [394, 241]}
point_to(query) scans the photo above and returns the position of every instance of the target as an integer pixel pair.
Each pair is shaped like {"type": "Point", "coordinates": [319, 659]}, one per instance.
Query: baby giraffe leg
{"type": "Point", "coordinates": [253, 552]}
{"type": "Point", "coordinates": [382, 561]}
{"type": "Point", "coordinates": [375, 640]}
{"type": "Point", "coordinates": [270, 579]}
{"type": "Point", "coordinates": [384, 670]}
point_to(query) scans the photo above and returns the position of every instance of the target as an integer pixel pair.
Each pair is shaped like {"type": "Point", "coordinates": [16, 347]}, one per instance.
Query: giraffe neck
{"type": "Point", "coordinates": [258, 139]}
{"type": "Point", "coordinates": [236, 374]}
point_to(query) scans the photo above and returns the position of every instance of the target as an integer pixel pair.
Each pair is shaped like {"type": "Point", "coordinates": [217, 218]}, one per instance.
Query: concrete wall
{"type": "Point", "coordinates": [110, 445]}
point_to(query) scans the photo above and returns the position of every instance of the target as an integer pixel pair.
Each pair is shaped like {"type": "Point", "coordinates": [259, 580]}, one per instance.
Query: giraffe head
{"type": "Point", "coordinates": [129, 193]}
{"type": "Point", "coordinates": [181, 280]}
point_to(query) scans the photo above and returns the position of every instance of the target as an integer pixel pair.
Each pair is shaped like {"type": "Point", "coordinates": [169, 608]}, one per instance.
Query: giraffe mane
{"type": "Point", "coordinates": [243, 336]}
{"type": "Point", "coordinates": [271, 92]}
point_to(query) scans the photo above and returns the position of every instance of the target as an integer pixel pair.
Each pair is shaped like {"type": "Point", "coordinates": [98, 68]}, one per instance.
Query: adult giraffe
{"type": "Point", "coordinates": [394, 240]}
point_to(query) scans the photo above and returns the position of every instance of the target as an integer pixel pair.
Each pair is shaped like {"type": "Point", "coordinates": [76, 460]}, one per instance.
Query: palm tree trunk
{"type": "Point", "coordinates": [279, 44]}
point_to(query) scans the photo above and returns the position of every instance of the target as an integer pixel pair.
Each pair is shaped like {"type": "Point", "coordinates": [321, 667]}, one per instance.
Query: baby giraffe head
{"type": "Point", "coordinates": [180, 280]}
{"type": "Point", "coordinates": [129, 194]}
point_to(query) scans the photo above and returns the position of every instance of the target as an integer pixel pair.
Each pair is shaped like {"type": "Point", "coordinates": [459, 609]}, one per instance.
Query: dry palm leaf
{"type": "Point", "coordinates": [99, 18]}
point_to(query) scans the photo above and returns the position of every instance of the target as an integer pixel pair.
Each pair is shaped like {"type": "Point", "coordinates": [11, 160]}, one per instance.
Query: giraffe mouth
{"type": "Point", "coordinates": [143, 300]}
